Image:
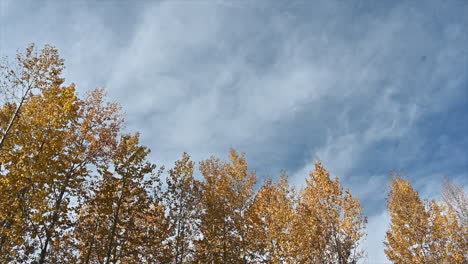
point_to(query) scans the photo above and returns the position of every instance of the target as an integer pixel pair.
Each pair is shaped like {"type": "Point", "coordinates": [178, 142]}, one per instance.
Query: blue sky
{"type": "Point", "coordinates": [366, 86]}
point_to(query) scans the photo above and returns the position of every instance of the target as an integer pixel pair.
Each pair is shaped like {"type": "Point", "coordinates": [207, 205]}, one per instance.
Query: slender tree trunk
{"type": "Point", "coordinates": [224, 243]}
{"type": "Point", "coordinates": [182, 246]}
{"type": "Point", "coordinates": [6, 224]}
{"type": "Point", "coordinates": [179, 240]}
{"type": "Point", "coordinates": [88, 254]}
{"type": "Point", "coordinates": [55, 217]}
{"type": "Point", "coordinates": [114, 226]}
{"type": "Point", "coordinates": [112, 235]}
{"type": "Point", "coordinates": [15, 116]}
{"type": "Point", "coordinates": [91, 244]}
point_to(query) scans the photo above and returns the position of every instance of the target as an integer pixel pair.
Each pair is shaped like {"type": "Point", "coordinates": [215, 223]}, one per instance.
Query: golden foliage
{"type": "Point", "coordinates": [182, 203]}
{"type": "Point", "coordinates": [272, 217]}
{"type": "Point", "coordinates": [46, 157]}
{"type": "Point", "coordinates": [422, 232]}
{"type": "Point", "coordinates": [122, 222]}
{"type": "Point", "coordinates": [329, 223]}
{"type": "Point", "coordinates": [227, 195]}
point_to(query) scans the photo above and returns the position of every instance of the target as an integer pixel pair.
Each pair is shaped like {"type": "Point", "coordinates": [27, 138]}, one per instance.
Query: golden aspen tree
{"type": "Point", "coordinates": [272, 218]}
{"type": "Point", "coordinates": [33, 70]}
{"type": "Point", "coordinates": [227, 196]}
{"type": "Point", "coordinates": [422, 232]}
{"type": "Point", "coordinates": [330, 223]}
{"type": "Point", "coordinates": [406, 239]}
{"type": "Point", "coordinates": [409, 237]}
{"type": "Point", "coordinates": [12, 227]}
{"type": "Point", "coordinates": [182, 203]}
{"type": "Point", "coordinates": [33, 163]}
{"type": "Point", "coordinates": [447, 238]}
{"type": "Point", "coordinates": [124, 222]}
{"type": "Point", "coordinates": [90, 139]}
{"type": "Point", "coordinates": [156, 229]}
{"type": "Point", "coordinates": [48, 142]}
{"type": "Point", "coordinates": [456, 235]}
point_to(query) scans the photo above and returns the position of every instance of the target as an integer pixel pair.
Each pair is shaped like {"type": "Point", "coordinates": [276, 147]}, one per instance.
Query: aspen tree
{"type": "Point", "coordinates": [227, 196]}
{"type": "Point", "coordinates": [46, 153]}
{"type": "Point", "coordinates": [89, 140]}
{"type": "Point", "coordinates": [182, 203]}
{"type": "Point", "coordinates": [272, 218]}
{"type": "Point", "coordinates": [456, 199]}
{"type": "Point", "coordinates": [330, 223]}
{"type": "Point", "coordinates": [33, 70]}
{"type": "Point", "coordinates": [31, 73]}
{"type": "Point", "coordinates": [33, 165]}
{"type": "Point", "coordinates": [123, 223]}
{"type": "Point", "coordinates": [422, 231]}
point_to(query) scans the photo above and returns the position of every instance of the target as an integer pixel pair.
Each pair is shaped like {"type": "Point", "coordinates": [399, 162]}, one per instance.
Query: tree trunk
{"type": "Point", "coordinates": [55, 217]}
{"type": "Point", "coordinates": [114, 225]}
{"type": "Point", "coordinates": [14, 117]}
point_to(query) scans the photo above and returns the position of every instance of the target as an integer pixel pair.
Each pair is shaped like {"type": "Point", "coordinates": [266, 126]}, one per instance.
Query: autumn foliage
{"type": "Point", "coordinates": [74, 188]}
{"type": "Point", "coordinates": [424, 231]}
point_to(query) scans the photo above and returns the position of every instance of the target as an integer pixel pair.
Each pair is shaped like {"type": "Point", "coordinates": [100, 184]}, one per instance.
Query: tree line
{"type": "Point", "coordinates": [74, 188]}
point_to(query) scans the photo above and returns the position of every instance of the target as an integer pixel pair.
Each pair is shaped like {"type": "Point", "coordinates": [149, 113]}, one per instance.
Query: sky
{"type": "Point", "coordinates": [365, 86]}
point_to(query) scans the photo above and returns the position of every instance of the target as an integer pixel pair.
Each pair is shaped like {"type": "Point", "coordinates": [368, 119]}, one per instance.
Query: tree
{"type": "Point", "coordinates": [89, 140]}
{"type": "Point", "coordinates": [124, 222]}
{"type": "Point", "coordinates": [406, 241]}
{"type": "Point", "coordinates": [227, 196]}
{"type": "Point", "coordinates": [45, 165]}
{"type": "Point", "coordinates": [421, 232]}
{"type": "Point", "coordinates": [31, 162]}
{"type": "Point", "coordinates": [330, 223]}
{"type": "Point", "coordinates": [182, 203]}
{"type": "Point", "coordinates": [456, 199]}
{"type": "Point", "coordinates": [272, 218]}
{"type": "Point", "coordinates": [52, 137]}
{"type": "Point", "coordinates": [34, 70]}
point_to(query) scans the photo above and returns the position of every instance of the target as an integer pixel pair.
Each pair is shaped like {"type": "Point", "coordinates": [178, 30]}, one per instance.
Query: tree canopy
{"type": "Point", "coordinates": [74, 188]}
